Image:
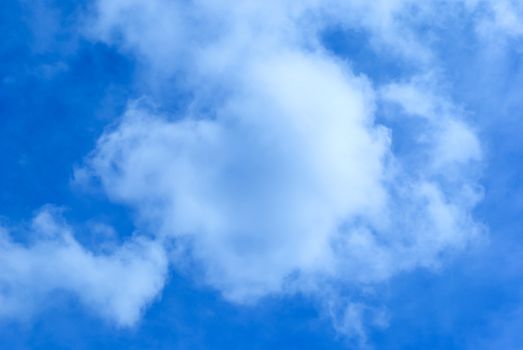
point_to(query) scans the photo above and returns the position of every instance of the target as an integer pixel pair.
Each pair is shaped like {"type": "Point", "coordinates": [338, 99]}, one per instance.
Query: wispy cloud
{"type": "Point", "coordinates": [117, 284]}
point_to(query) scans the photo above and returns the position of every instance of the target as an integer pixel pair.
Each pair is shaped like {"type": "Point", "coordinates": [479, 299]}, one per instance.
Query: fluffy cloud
{"type": "Point", "coordinates": [278, 175]}
{"type": "Point", "coordinates": [117, 285]}
{"type": "Point", "coordinates": [286, 172]}
{"type": "Point", "coordinates": [261, 188]}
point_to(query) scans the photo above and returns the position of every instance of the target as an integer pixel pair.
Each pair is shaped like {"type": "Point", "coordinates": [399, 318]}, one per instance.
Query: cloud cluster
{"type": "Point", "coordinates": [285, 172]}
{"type": "Point", "coordinates": [278, 175]}
{"type": "Point", "coordinates": [260, 189]}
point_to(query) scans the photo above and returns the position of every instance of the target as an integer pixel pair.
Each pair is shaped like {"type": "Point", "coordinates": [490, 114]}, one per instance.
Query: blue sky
{"type": "Point", "coordinates": [214, 175]}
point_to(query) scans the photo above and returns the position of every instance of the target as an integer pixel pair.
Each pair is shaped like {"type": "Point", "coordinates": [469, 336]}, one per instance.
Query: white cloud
{"type": "Point", "coordinates": [277, 178]}
{"type": "Point", "coordinates": [352, 319]}
{"type": "Point", "coordinates": [117, 285]}
{"type": "Point", "coordinates": [498, 19]}
{"type": "Point", "coordinates": [289, 175]}
{"type": "Point", "coordinates": [262, 188]}
{"type": "Point", "coordinates": [452, 142]}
